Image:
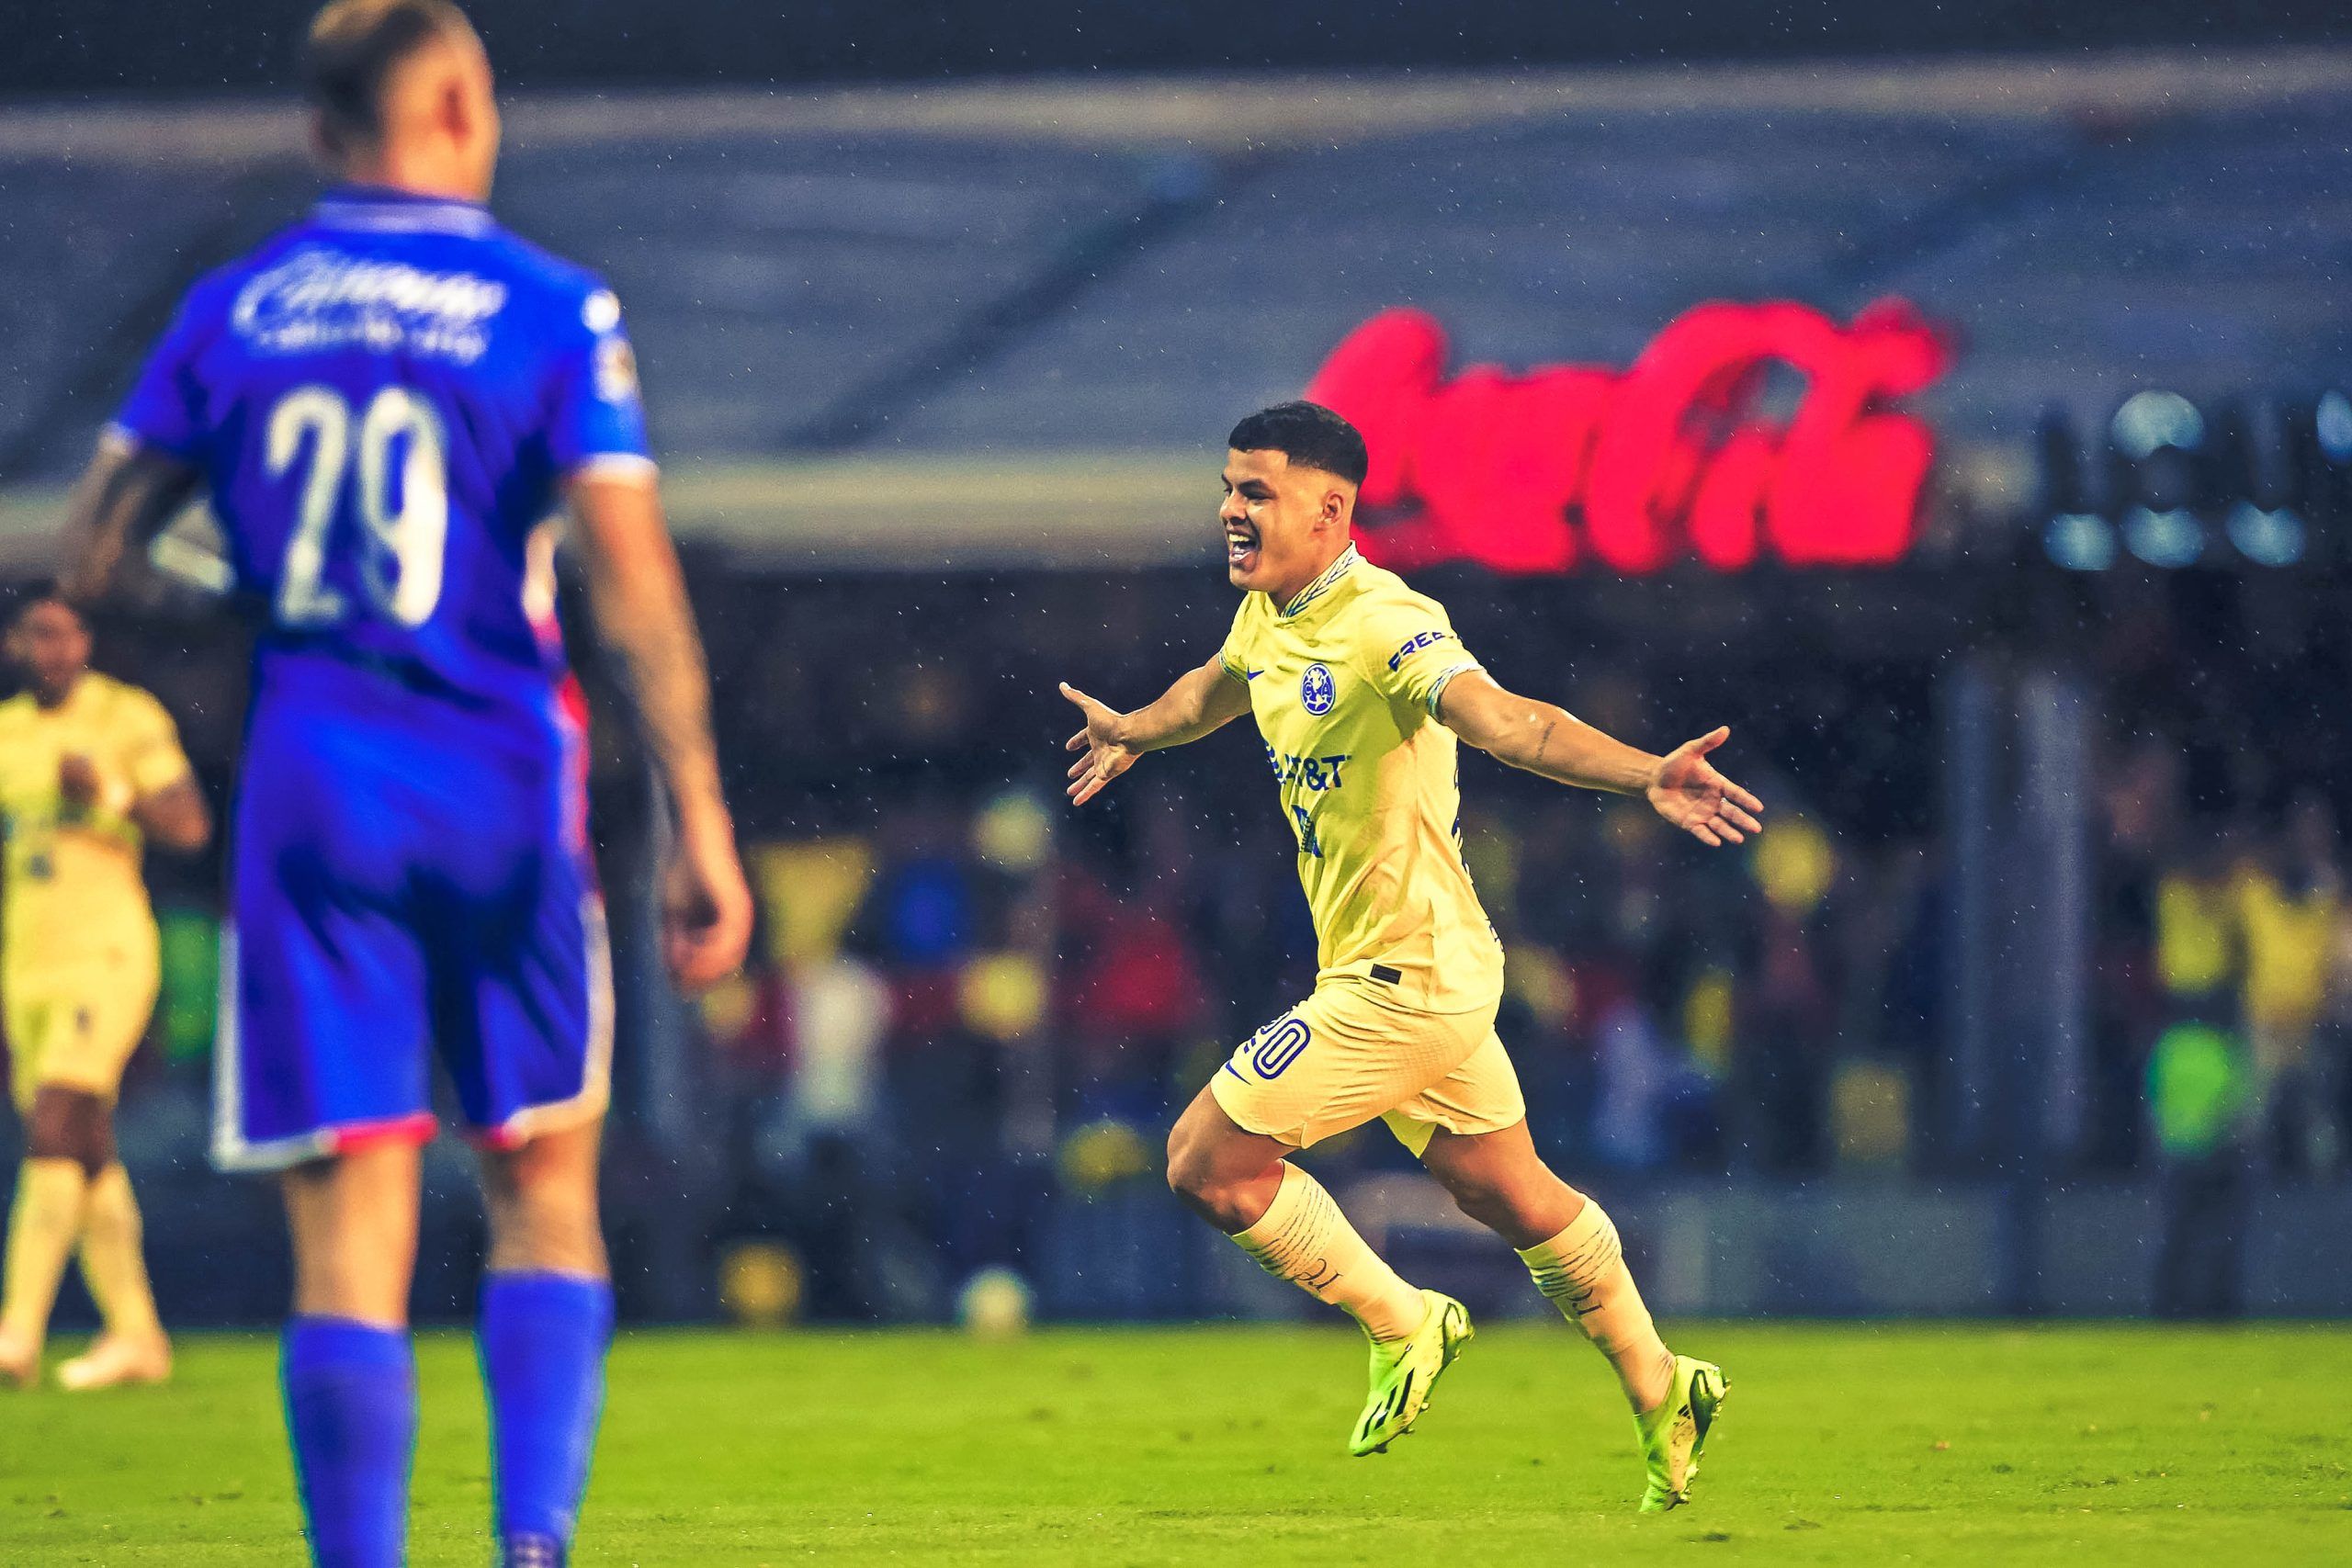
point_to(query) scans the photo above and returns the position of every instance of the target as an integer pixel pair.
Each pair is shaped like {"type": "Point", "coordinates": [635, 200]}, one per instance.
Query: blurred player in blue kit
{"type": "Point", "coordinates": [385, 403]}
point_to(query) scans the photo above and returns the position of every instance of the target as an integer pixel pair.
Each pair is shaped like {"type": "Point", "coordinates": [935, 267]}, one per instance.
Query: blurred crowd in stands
{"type": "Point", "coordinates": [962, 982]}
{"type": "Point", "coordinates": [965, 996]}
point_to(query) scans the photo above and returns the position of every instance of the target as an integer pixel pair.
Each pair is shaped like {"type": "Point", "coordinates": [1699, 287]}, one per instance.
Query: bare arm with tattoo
{"type": "Point", "coordinates": [127, 496]}
{"type": "Point", "coordinates": [639, 598]}
{"type": "Point", "coordinates": [1551, 743]}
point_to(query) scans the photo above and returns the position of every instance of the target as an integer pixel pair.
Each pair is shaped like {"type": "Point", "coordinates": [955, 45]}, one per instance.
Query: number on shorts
{"type": "Point", "coordinates": [1277, 1045]}
{"type": "Point", "coordinates": [404, 541]}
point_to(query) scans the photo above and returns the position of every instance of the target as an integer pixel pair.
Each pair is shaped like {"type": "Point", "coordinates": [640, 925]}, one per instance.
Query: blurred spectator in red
{"type": "Point", "coordinates": [1787, 1013]}
{"type": "Point", "coordinates": [1133, 990]}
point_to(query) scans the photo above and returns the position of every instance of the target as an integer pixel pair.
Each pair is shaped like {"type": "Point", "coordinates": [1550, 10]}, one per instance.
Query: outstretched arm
{"type": "Point", "coordinates": [639, 598]}
{"type": "Point", "coordinates": [175, 817]}
{"type": "Point", "coordinates": [1201, 700]}
{"type": "Point", "coordinates": [1682, 785]}
{"type": "Point", "coordinates": [127, 496]}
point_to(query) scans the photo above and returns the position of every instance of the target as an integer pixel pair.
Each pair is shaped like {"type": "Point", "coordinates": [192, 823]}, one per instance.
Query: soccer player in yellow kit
{"type": "Point", "coordinates": [1360, 688]}
{"type": "Point", "coordinates": [90, 770]}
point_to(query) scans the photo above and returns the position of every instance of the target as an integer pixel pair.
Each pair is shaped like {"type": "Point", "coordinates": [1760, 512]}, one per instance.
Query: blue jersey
{"type": "Point", "coordinates": [383, 399]}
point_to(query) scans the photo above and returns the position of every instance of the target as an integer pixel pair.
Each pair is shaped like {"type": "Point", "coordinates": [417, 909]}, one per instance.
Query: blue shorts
{"type": "Point", "coordinates": [405, 886]}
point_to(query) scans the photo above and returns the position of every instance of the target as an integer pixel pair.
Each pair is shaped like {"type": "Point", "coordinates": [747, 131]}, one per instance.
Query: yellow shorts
{"type": "Point", "coordinates": [77, 1029]}
{"type": "Point", "coordinates": [1349, 1053]}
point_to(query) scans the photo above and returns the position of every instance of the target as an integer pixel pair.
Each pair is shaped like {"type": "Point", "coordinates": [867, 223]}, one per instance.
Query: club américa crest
{"type": "Point", "coordinates": [1317, 690]}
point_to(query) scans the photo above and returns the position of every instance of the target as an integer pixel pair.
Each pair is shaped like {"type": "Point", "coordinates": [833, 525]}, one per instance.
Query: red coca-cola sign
{"type": "Point", "coordinates": [1552, 468]}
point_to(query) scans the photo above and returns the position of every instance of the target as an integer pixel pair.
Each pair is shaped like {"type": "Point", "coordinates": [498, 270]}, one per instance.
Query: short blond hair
{"type": "Point", "coordinates": [353, 49]}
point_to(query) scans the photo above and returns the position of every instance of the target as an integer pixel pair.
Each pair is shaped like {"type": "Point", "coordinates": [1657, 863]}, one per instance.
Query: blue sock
{"type": "Point", "coordinates": [543, 1339]}
{"type": "Point", "coordinates": [351, 1411]}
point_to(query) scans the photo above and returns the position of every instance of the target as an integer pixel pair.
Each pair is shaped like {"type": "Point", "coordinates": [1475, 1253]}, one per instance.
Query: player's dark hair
{"type": "Point", "coordinates": [1309, 435]}
{"type": "Point", "coordinates": [44, 591]}
{"type": "Point", "coordinates": [353, 49]}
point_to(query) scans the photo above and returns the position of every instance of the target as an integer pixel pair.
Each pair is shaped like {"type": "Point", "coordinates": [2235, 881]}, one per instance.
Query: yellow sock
{"type": "Point", "coordinates": [42, 1225]}
{"type": "Point", "coordinates": [1303, 1238]}
{"type": "Point", "coordinates": [112, 1260]}
{"type": "Point", "coordinates": [1583, 1272]}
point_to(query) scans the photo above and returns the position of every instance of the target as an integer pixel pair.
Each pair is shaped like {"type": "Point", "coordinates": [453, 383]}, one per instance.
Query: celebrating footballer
{"type": "Point", "coordinates": [1360, 689]}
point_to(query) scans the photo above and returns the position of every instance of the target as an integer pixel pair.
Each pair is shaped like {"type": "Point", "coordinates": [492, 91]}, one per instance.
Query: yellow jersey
{"type": "Point", "coordinates": [72, 892]}
{"type": "Point", "coordinates": [1344, 682]}
{"type": "Point", "coordinates": [2289, 943]}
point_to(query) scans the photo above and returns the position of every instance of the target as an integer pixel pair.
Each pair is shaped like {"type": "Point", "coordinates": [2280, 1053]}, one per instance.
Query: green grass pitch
{"type": "Point", "coordinates": [1860, 1444]}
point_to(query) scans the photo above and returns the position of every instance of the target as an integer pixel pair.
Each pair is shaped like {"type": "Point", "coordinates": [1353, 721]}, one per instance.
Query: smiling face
{"type": "Point", "coordinates": [1284, 522]}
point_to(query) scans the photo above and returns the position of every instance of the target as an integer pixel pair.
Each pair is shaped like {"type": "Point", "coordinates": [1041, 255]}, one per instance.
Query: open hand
{"type": "Point", "coordinates": [1106, 757]}
{"type": "Point", "coordinates": [1688, 793]}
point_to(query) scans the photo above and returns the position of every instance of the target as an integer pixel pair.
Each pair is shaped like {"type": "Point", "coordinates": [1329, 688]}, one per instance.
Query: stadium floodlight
{"type": "Point", "coordinates": [2171, 539]}
{"type": "Point", "coordinates": [2080, 541]}
{"type": "Point", "coordinates": [2333, 420]}
{"type": "Point", "coordinates": [2149, 422]}
{"type": "Point", "coordinates": [2272, 536]}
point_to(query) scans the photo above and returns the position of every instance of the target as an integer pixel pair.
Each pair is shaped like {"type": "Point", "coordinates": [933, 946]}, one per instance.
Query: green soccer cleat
{"type": "Point", "coordinates": [1675, 1434]}
{"type": "Point", "coordinates": [1403, 1375]}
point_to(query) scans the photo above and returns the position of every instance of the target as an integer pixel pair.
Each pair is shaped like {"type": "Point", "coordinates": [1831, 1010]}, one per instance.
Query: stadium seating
{"type": "Point", "coordinates": [988, 288]}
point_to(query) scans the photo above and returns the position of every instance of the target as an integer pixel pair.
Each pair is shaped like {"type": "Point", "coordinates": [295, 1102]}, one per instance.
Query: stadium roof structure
{"type": "Point", "coordinates": [1010, 320]}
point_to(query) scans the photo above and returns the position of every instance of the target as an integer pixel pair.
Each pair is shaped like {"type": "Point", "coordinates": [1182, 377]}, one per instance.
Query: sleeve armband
{"type": "Point", "coordinates": [1445, 678]}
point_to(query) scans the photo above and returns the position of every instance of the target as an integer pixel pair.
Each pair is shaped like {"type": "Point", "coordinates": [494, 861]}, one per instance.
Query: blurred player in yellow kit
{"type": "Point", "coordinates": [90, 770]}
{"type": "Point", "coordinates": [1361, 687]}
